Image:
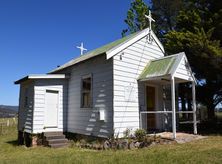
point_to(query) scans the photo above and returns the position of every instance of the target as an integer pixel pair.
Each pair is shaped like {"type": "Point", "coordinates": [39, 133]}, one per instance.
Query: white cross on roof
{"type": "Point", "coordinates": [82, 49]}
{"type": "Point", "coordinates": [150, 19]}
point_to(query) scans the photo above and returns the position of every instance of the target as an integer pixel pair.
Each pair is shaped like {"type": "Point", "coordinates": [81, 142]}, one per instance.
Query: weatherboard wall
{"type": "Point", "coordinates": [86, 120]}
{"type": "Point", "coordinates": [40, 88]}
{"type": "Point", "coordinates": [25, 113]}
{"type": "Point", "coordinates": [127, 66]}
{"type": "Point", "coordinates": [183, 71]}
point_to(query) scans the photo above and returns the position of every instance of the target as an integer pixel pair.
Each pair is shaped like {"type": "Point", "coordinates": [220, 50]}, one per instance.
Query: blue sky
{"type": "Point", "coordinates": [38, 35]}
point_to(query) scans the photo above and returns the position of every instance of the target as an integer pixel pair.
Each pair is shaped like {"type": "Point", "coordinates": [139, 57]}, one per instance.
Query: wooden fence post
{"type": "Point", "coordinates": [1, 129]}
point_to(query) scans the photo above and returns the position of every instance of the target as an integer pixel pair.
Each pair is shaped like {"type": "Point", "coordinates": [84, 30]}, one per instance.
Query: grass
{"type": "Point", "coordinates": [207, 150]}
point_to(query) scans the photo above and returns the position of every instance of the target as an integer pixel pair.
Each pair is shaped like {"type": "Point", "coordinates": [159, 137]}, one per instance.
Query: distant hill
{"type": "Point", "coordinates": [8, 111]}
{"type": "Point", "coordinates": [15, 108]}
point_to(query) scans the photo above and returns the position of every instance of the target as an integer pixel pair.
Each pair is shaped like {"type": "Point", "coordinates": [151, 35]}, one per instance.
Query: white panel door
{"type": "Point", "coordinates": [51, 109]}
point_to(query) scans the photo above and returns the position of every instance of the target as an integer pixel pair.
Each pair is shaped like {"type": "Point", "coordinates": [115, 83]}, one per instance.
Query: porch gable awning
{"type": "Point", "coordinates": [176, 65]}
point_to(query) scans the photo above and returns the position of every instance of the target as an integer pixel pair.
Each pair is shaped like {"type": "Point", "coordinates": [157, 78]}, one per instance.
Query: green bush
{"type": "Point", "coordinates": [140, 134]}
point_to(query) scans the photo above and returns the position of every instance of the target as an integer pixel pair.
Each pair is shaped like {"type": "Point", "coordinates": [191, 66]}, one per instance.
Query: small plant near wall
{"type": "Point", "coordinates": [127, 133]}
{"type": "Point", "coordinates": [140, 134]}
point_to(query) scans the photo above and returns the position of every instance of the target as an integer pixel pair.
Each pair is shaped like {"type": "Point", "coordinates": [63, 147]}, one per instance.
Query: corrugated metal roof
{"type": "Point", "coordinates": [98, 51]}
{"type": "Point", "coordinates": [159, 67]}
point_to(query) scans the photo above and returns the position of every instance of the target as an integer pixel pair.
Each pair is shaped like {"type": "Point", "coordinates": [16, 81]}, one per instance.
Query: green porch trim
{"type": "Point", "coordinates": [159, 67]}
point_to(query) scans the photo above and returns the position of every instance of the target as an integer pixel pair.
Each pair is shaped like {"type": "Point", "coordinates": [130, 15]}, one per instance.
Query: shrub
{"type": "Point", "coordinates": [140, 134]}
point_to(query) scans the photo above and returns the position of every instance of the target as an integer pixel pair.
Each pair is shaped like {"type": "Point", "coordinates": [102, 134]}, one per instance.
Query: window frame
{"type": "Point", "coordinates": [91, 92]}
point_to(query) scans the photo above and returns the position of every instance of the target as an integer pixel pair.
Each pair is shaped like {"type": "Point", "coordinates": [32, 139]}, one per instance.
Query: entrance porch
{"type": "Point", "coordinates": [158, 85]}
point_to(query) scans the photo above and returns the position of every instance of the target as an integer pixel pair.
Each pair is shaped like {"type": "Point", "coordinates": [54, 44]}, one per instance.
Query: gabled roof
{"type": "Point", "coordinates": [111, 49]}
{"type": "Point", "coordinates": [166, 66]}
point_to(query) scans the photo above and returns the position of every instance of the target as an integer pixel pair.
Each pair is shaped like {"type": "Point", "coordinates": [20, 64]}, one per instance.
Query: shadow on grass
{"type": "Point", "coordinates": [13, 142]}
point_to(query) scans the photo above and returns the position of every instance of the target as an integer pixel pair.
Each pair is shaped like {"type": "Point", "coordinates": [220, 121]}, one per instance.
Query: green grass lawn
{"type": "Point", "coordinates": [202, 151]}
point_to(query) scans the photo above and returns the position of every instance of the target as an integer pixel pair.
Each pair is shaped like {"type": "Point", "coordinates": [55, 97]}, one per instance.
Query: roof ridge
{"type": "Point", "coordinates": [127, 37]}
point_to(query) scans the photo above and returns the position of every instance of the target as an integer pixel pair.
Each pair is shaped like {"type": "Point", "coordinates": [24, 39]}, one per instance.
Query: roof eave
{"type": "Point", "coordinates": [21, 80]}
{"type": "Point", "coordinates": [44, 76]}
{"type": "Point", "coordinates": [154, 77]}
{"type": "Point", "coordinates": [60, 69]}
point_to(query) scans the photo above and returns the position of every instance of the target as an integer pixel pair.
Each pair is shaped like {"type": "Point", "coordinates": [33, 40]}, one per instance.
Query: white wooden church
{"type": "Point", "coordinates": [126, 84]}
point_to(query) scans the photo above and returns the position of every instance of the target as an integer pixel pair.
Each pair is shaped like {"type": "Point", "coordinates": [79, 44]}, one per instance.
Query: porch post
{"type": "Point", "coordinates": [173, 107]}
{"type": "Point", "coordinates": [194, 108]}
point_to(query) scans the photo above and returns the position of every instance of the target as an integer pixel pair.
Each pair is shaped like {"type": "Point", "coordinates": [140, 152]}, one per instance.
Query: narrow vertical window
{"type": "Point", "coordinates": [86, 92]}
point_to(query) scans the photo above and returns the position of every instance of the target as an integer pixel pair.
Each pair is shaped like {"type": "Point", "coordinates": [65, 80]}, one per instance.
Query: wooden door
{"type": "Point", "coordinates": [51, 109]}
{"type": "Point", "coordinates": [151, 104]}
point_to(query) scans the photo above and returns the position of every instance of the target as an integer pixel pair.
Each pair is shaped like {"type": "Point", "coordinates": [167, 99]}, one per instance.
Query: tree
{"type": "Point", "coordinates": [195, 34]}
{"type": "Point", "coordinates": [193, 26]}
{"type": "Point", "coordinates": [136, 19]}
{"type": "Point", "coordinates": [165, 12]}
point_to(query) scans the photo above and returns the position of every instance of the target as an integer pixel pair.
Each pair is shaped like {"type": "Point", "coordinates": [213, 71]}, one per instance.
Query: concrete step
{"type": "Point", "coordinates": [58, 145]}
{"type": "Point", "coordinates": [48, 134]}
{"type": "Point", "coordinates": [57, 141]}
{"type": "Point", "coordinates": [55, 137]}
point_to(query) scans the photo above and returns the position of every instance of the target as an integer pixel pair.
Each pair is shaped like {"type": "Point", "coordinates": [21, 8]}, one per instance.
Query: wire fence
{"type": "Point", "coordinates": [6, 124]}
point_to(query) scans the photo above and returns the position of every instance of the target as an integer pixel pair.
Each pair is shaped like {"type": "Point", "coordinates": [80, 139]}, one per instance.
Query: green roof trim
{"type": "Point", "coordinates": [111, 45]}
{"type": "Point", "coordinates": [159, 67]}
{"type": "Point", "coordinates": [96, 52]}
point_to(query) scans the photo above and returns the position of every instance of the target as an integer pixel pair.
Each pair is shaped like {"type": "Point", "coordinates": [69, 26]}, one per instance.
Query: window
{"type": "Point", "coordinates": [86, 92]}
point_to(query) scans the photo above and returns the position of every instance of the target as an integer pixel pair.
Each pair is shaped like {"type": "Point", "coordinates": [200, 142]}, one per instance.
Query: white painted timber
{"type": "Point", "coordinates": [51, 108]}
{"type": "Point", "coordinates": [87, 120]}
{"type": "Point", "coordinates": [25, 113]}
{"type": "Point", "coordinates": [114, 51]}
{"type": "Point", "coordinates": [40, 105]}
{"type": "Point", "coordinates": [41, 76]}
{"type": "Point", "coordinates": [48, 76]}
{"type": "Point", "coordinates": [173, 107]}
{"type": "Point", "coordinates": [127, 66]}
{"type": "Point", "coordinates": [183, 70]}
{"type": "Point", "coordinates": [194, 108]}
